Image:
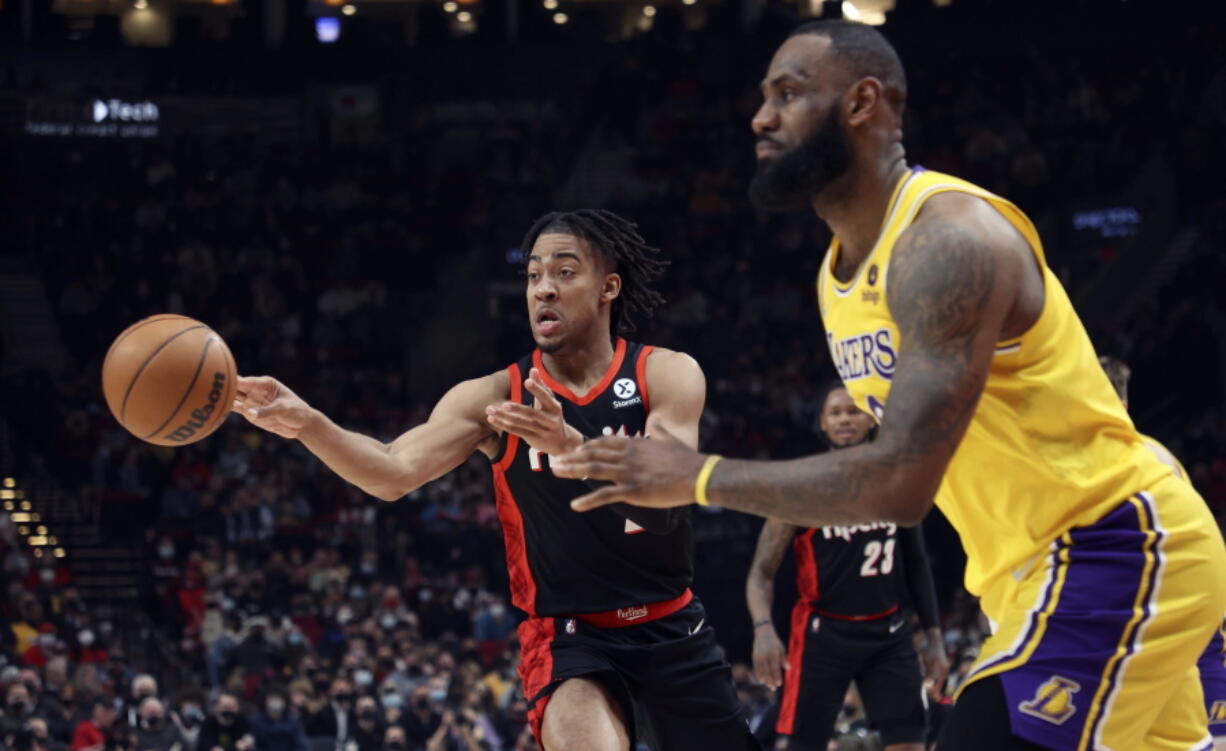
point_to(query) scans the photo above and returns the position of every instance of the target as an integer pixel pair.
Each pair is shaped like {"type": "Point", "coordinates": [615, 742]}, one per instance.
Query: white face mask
{"type": "Point", "coordinates": [275, 706]}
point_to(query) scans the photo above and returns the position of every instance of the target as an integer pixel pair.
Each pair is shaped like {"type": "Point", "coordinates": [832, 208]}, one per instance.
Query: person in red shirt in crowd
{"type": "Point", "coordinates": [42, 648]}
{"type": "Point", "coordinates": [92, 734]}
{"type": "Point", "coordinates": [191, 599]}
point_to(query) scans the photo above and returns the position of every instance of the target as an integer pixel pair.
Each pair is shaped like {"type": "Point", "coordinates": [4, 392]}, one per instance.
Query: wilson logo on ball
{"type": "Point", "coordinates": [200, 416]}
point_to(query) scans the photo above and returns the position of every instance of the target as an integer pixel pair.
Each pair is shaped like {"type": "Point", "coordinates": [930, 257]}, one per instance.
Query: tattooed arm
{"type": "Point", "coordinates": [953, 288]}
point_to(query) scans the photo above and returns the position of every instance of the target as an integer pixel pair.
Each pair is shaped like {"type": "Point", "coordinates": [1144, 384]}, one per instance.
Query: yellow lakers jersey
{"type": "Point", "coordinates": [1049, 447]}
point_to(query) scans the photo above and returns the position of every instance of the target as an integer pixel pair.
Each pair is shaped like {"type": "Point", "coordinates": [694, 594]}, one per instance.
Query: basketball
{"type": "Point", "coordinates": [169, 380]}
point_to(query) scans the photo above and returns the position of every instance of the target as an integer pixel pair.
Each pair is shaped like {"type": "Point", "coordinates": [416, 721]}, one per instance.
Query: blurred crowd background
{"type": "Point", "coordinates": [351, 228]}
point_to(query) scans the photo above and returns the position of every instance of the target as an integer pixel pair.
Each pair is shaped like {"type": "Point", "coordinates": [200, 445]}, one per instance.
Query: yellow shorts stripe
{"type": "Point", "coordinates": [1032, 635]}
{"type": "Point", "coordinates": [1143, 609]}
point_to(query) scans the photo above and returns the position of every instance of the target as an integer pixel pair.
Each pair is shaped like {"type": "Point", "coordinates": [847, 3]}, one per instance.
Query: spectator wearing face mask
{"type": "Point", "coordinates": [275, 727]}
{"type": "Point", "coordinates": [335, 719]}
{"type": "Point", "coordinates": [46, 705]}
{"type": "Point", "coordinates": [190, 718]}
{"type": "Point", "coordinates": [422, 720]}
{"type": "Point", "coordinates": [46, 646]}
{"type": "Point", "coordinates": [394, 739]}
{"type": "Point", "coordinates": [367, 731]}
{"type": "Point", "coordinates": [143, 687]}
{"type": "Point", "coordinates": [154, 730]}
{"type": "Point", "coordinates": [225, 729]}
{"type": "Point", "coordinates": [43, 739]}
{"type": "Point", "coordinates": [17, 709]}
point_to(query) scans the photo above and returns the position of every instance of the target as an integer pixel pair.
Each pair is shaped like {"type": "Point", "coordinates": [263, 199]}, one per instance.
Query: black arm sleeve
{"type": "Point", "coordinates": [919, 576]}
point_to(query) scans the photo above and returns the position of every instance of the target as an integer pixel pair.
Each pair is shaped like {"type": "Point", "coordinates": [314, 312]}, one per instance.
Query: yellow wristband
{"type": "Point", "coordinates": [704, 476]}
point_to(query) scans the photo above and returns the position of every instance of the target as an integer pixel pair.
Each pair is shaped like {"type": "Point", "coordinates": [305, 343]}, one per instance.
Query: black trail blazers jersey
{"type": "Point", "coordinates": [562, 562]}
{"type": "Point", "coordinates": [850, 572]}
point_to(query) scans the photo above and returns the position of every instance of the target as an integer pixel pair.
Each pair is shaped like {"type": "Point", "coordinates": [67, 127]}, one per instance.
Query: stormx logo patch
{"type": "Point", "coordinates": [625, 390]}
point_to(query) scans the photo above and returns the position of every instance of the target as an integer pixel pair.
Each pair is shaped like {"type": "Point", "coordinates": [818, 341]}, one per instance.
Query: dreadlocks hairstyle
{"type": "Point", "coordinates": [619, 242]}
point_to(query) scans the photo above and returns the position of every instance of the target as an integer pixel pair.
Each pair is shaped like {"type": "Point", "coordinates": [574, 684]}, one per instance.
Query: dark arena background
{"type": "Point", "coordinates": [340, 190]}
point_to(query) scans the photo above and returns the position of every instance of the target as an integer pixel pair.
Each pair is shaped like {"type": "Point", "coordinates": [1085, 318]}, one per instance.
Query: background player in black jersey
{"type": "Point", "coordinates": [615, 645]}
{"type": "Point", "coordinates": [849, 622]}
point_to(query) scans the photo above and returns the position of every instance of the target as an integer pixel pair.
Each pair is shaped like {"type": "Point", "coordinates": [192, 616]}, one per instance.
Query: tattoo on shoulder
{"type": "Point", "coordinates": [940, 280]}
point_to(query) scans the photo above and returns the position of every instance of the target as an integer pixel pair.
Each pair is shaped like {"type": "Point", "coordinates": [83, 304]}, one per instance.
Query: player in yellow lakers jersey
{"type": "Point", "coordinates": [1212, 663]}
{"type": "Point", "coordinates": [1100, 571]}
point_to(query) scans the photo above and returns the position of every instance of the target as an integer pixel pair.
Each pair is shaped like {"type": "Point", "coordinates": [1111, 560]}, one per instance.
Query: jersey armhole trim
{"type": "Point", "coordinates": [640, 375]}
{"type": "Point", "coordinates": [510, 443]}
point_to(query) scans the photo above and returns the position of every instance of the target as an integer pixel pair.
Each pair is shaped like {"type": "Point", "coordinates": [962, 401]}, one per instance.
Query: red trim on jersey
{"type": "Point", "coordinates": [619, 354]}
{"type": "Point", "coordinates": [523, 586]}
{"type": "Point", "coordinates": [640, 375]}
{"type": "Point", "coordinates": [808, 586]}
{"type": "Point", "coordinates": [801, 614]}
{"type": "Point", "coordinates": [871, 617]}
{"type": "Point", "coordinates": [636, 614]}
{"type": "Point", "coordinates": [536, 637]}
{"type": "Point", "coordinates": [517, 394]}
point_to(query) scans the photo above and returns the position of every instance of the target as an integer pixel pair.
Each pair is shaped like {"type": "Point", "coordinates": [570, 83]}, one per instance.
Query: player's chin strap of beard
{"type": "Point", "coordinates": [657, 521]}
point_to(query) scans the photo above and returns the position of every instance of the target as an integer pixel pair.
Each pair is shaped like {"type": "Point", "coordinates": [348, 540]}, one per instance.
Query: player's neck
{"type": "Point", "coordinates": [581, 365]}
{"type": "Point", "coordinates": [855, 205]}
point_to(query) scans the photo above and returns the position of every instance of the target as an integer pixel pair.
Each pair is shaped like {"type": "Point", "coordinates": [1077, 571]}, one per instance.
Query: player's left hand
{"type": "Point", "coordinates": [935, 661]}
{"type": "Point", "coordinates": [541, 426]}
{"type": "Point", "coordinates": [657, 472]}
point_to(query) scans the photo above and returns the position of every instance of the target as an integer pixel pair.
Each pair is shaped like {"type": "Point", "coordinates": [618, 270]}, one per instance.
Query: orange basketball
{"type": "Point", "coordinates": [169, 380]}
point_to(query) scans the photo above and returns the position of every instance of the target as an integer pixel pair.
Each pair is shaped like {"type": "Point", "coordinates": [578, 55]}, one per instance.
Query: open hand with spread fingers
{"type": "Point", "coordinates": [657, 472]}
{"type": "Point", "coordinates": [542, 425]}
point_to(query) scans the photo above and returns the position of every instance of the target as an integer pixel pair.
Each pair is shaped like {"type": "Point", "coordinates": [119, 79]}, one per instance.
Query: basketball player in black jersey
{"type": "Point", "coordinates": [615, 645]}
{"type": "Point", "coordinates": [849, 622]}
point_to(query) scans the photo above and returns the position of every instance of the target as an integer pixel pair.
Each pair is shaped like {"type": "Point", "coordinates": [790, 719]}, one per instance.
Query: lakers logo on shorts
{"type": "Point", "coordinates": [1053, 701]}
{"type": "Point", "coordinates": [1217, 713]}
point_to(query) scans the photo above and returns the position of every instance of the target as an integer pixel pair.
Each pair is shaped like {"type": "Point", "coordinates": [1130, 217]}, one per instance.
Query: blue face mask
{"type": "Point", "coordinates": [438, 694]}
{"type": "Point", "coordinates": [392, 701]}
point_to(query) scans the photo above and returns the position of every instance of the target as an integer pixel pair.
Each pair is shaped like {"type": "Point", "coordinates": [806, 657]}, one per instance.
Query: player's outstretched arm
{"type": "Point", "coordinates": [456, 428]}
{"type": "Point", "coordinates": [951, 286]}
{"type": "Point", "coordinates": [769, 655]}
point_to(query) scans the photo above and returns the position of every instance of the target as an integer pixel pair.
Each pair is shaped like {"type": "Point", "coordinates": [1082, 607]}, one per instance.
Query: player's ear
{"type": "Point", "coordinates": [863, 99]}
{"type": "Point", "coordinates": [612, 287]}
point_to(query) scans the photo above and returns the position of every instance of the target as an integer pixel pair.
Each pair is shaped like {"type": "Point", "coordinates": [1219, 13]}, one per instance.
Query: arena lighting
{"type": "Point", "coordinates": [60, 553]}
{"type": "Point", "coordinates": [550, 4]}
{"type": "Point", "coordinates": [141, 4]}
{"type": "Point", "coordinates": [464, 16]}
{"type": "Point", "coordinates": [10, 482]}
{"type": "Point", "coordinates": [560, 18]}
{"type": "Point", "coordinates": [38, 552]}
{"type": "Point", "coordinates": [649, 11]}
{"type": "Point", "coordinates": [688, 2]}
{"type": "Point", "coordinates": [25, 505]}
{"type": "Point", "coordinates": [349, 10]}
{"type": "Point", "coordinates": [450, 6]}
{"type": "Point", "coordinates": [327, 29]}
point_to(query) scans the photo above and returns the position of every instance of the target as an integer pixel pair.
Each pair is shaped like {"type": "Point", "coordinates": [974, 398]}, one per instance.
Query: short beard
{"type": "Point", "coordinates": [550, 349]}
{"type": "Point", "coordinates": [789, 181]}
